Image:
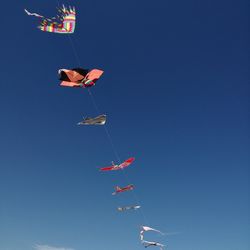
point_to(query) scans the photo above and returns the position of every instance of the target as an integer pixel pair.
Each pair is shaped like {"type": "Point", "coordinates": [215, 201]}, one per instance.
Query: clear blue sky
{"type": "Point", "coordinates": [176, 95]}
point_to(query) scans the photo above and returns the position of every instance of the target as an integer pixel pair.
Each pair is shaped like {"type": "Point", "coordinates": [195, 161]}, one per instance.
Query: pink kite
{"type": "Point", "coordinates": [78, 77]}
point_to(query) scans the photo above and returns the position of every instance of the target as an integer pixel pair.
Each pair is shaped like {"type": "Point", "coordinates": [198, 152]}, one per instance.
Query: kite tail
{"type": "Point", "coordinates": [32, 14]}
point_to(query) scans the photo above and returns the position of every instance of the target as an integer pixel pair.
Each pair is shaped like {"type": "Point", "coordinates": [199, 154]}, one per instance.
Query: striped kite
{"type": "Point", "coordinates": [63, 23]}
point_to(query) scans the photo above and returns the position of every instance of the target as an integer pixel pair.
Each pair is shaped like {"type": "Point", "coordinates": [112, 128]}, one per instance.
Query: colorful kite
{"type": "Point", "coordinates": [119, 166]}
{"type": "Point", "coordinates": [123, 189]}
{"type": "Point", "coordinates": [121, 209]}
{"type": "Point", "coordinates": [64, 23]}
{"type": "Point", "coordinates": [79, 77]}
{"type": "Point", "coordinates": [99, 120]}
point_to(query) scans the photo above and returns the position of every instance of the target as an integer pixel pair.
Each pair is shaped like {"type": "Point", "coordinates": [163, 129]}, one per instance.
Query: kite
{"type": "Point", "coordinates": [63, 23]}
{"type": "Point", "coordinates": [146, 229]}
{"type": "Point", "coordinates": [78, 77]}
{"type": "Point", "coordinates": [121, 209]}
{"type": "Point", "coordinates": [99, 120]}
{"type": "Point", "coordinates": [119, 166]}
{"type": "Point", "coordinates": [152, 243]}
{"type": "Point", "coordinates": [149, 243]}
{"type": "Point", "coordinates": [123, 189]}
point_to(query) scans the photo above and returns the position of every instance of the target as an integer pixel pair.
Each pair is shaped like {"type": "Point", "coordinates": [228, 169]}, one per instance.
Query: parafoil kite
{"type": "Point", "coordinates": [63, 23]}
{"type": "Point", "coordinates": [123, 189]}
{"type": "Point", "coordinates": [79, 77]}
{"type": "Point", "coordinates": [121, 209]}
{"type": "Point", "coordinates": [99, 120]}
{"type": "Point", "coordinates": [119, 166]}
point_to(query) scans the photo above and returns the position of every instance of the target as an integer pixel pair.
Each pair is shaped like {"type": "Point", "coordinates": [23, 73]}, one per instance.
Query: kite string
{"type": "Point", "coordinates": [105, 127]}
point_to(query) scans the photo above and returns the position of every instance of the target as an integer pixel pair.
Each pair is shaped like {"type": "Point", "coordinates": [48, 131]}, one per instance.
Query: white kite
{"type": "Point", "coordinates": [150, 243]}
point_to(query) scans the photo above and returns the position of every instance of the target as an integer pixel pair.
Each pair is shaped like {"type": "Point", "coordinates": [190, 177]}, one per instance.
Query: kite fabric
{"type": "Point", "coordinates": [63, 23]}
{"type": "Point", "coordinates": [99, 120]}
{"type": "Point", "coordinates": [119, 166]}
{"type": "Point", "coordinates": [121, 209]}
{"type": "Point", "coordinates": [79, 77]}
{"type": "Point", "coordinates": [123, 189]}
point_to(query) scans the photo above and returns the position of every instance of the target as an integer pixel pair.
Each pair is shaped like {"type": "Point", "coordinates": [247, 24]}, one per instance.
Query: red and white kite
{"type": "Point", "coordinates": [119, 166]}
{"type": "Point", "coordinates": [123, 189]}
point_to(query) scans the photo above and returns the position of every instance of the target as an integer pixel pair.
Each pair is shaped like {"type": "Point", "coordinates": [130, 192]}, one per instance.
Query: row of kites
{"type": "Point", "coordinates": [65, 23]}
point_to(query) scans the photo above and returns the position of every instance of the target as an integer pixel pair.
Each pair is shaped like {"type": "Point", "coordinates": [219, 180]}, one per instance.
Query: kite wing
{"type": "Point", "coordinates": [145, 229]}
{"type": "Point", "coordinates": [70, 75]}
{"type": "Point", "coordinates": [107, 168]}
{"type": "Point", "coordinates": [69, 84]}
{"type": "Point", "coordinates": [94, 74]}
{"type": "Point", "coordinates": [127, 162]}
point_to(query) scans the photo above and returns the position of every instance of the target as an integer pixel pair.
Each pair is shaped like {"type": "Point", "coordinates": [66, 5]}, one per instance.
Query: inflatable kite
{"type": "Point", "coordinates": [64, 23]}
{"type": "Point", "coordinates": [119, 166]}
{"type": "Point", "coordinates": [121, 209]}
{"type": "Point", "coordinates": [79, 77]}
{"type": "Point", "coordinates": [123, 189]}
{"type": "Point", "coordinates": [99, 120]}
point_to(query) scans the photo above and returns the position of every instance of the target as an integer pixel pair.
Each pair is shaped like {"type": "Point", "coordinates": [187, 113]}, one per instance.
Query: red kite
{"type": "Point", "coordinates": [120, 166]}
{"type": "Point", "coordinates": [123, 189]}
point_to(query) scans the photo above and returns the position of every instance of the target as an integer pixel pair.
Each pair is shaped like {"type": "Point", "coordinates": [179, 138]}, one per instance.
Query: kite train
{"type": "Point", "coordinates": [64, 23]}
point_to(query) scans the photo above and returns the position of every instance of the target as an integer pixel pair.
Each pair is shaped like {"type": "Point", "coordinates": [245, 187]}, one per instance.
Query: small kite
{"type": "Point", "coordinates": [99, 120]}
{"type": "Point", "coordinates": [119, 166]}
{"type": "Point", "coordinates": [149, 243]}
{"type": "Point", "coordinates": [152, 243]}
{"type": "Point", "coordinates": [121, 209]}
{"type": "Point", "coordinates": [63, 23]}
{"type": "Point", "coordinates": [123, 189]}
{"type": "Point", "coordinates": [146, 229]}
{"type": "Point", "coordinates": [78, 77]}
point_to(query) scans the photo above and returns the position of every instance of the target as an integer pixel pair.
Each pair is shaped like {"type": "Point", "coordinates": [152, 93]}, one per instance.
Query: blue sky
{"type": "Point", "coordinates": [175, 90]}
